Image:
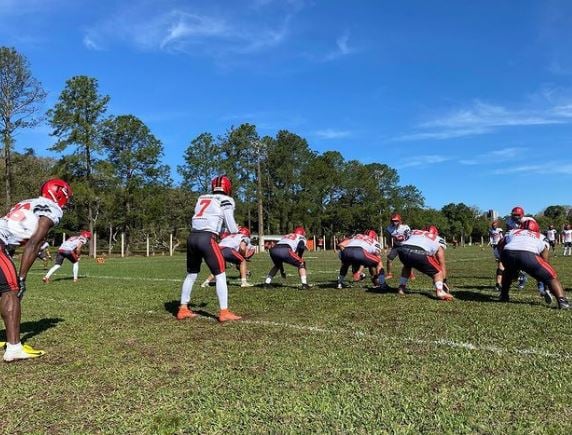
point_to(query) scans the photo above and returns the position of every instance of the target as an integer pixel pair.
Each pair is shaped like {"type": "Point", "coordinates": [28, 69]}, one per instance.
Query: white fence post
{"type": "Point", "coordinates": [147, 246]}
{"type": "Point", "coordinates": [171, 244]}
{"type": "Point", "coordinates": [94, 245]}
{"type": "Point", "coordinates": [122, 245]}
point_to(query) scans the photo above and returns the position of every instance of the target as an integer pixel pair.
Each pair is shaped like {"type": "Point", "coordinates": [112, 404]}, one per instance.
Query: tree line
{"type": "Point", "coordinates": [114, 164]}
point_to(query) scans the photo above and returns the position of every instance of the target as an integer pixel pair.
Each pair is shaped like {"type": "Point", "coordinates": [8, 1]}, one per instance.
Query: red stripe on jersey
{"type": "Point", "coordinates": [371, 256]}
{"type": "Point", "coordinates": [434, 262]}
{"type": "Point", "coordinates": [218, 254]}
{"type": "Point", "coordinates": [9, 271]}
{"type": "Point", "coordinates": [546, 266]}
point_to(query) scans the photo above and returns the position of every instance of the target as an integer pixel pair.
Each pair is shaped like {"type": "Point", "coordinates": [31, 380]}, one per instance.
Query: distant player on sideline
{"type": "Point", "coordinates": [424, 250]}
{"type": "Point", "coordinates": [44, 254]}
{"type": "Point", "coordinates": [28, 223]}
{"type": "Point", "coordinates": [398, 231]}
{"type": "Point", "coordinates": [289, 249]}
{"type": "Point", "coordinates": [495, 236]}
{"type": "Point", "coordinates": [70, 250]}
{"type": "Point", "coordinates": [567, 240]}
{"type": "Point", "coordinates": [236, 249]}
{"type": "Point", "coordinates": [526, 249]}
{"type": "Point", "coordinates": [362, 250]}
{"type": "Point", "coordinates": [212, 211]}
{"type": "Point", "coordinates": [551, 236]}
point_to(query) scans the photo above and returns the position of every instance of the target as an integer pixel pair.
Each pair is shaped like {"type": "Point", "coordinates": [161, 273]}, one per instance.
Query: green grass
{"type": "Point", "coordinates": [322, 360]}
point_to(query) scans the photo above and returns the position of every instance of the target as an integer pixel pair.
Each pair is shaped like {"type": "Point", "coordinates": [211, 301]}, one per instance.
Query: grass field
{"type": "Point", "coordinates": [319, 360]}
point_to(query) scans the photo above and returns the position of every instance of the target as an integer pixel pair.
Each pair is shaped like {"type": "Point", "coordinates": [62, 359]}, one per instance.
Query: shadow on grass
{"type": "Point", "coordinates": [476, 287]}
{"type": "Point", "coordinates": [482, 297]}
{"type": "Point", "coordinates": [173, 306]}
{"type": "Point", "coordinates": [33, 328]}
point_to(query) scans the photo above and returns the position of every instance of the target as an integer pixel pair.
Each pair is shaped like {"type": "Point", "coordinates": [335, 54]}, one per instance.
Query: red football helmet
{"type": "Point", "coordinates": [300, 231]}
{"type": "Point", "coordinates": [57, 190]}
{"type": "Point", "coordinates": [530, 225]}
{"type": "Point", "coordinates": [371, 234]}
{"type": "Point", "coordinates": [517, 212]}
{"type": "Point", "coordinates": [244, 231]}
{"type": "Point", "coordinates": [86, 234]}
{"type": "Point", "coordinates": [432, 229]}
{"type": "Point", "coordinates": [221, 184]}
{"type": "Point", "coordinates": [396, 217]}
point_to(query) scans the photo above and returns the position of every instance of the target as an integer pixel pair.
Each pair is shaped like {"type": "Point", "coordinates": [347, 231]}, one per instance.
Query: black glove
{"type": "Point", "coordinates": [22, 287]}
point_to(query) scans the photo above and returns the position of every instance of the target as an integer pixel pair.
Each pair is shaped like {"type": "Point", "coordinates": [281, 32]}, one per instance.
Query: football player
{"type": "Point", "coordinates": [70, 250]}
{"type": "Point", "coordinates": [567, 239]}
{"type": "Point", "coordinates": [495, 236]}
{"type": "Point", "coordinates": [551, 236]}
{"type": "Point", "coordinates": [236, 249]}
{"type": "Point", "coordinates": [424, 250]}
{"type": "Point", "coordinates": [398, 231]}
{"type": "Point", "coordinates": [27, 223]}
{"type": "Point", "coordinates": [289, 249]}
{"type": "Point", "coordinates": [212, 212]}
{"type": "Point", "coordinates": [363, 250]}
{"type": "Point", "coordinates": [44, 254]}
{"type": "Point", "coordinates": [526, 249]}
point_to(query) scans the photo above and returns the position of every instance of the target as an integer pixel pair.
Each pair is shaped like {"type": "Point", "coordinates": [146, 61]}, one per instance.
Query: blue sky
{"type": "Point", "coordinates": [469, 101]}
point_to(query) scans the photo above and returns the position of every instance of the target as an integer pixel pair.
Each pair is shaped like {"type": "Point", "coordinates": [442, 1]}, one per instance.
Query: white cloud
{"type": "Point", "coordinates": [424, 160]}
{"type": "Point", "coordinates": [330, 133]}
{"type": "Point", "coordinates": [553, 167]}
{"type": "Point", "coordinates": [342, 48]}
{"type": "Point", "coordinates": [482, 118]}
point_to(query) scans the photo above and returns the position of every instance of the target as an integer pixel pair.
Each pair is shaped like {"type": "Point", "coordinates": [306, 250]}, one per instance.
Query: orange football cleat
{"type": "Point", "coordinates": [185, 313]}
{"type": "Point", "coordinates": [226, 315]}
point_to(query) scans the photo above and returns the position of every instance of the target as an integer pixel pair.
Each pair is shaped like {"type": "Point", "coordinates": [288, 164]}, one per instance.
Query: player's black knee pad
{"type": "Point", "coordinates": [499, 271]}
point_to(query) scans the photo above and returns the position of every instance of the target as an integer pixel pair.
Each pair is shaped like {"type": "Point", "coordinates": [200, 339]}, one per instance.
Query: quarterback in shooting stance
{"type": "Point", "coordinates": [28, 223]}
{"type": "Point", "coordinates": [526, 249]}
{"type": "Point", "coordinates": [289, 249]}
{"type": "Point", "coordinates": [362, 250]}
{"type": "Point", "coordinates": [71, 250]}
{"type": "Point", "coordinates": [211, 213]}
{"type": "Point", "coordinates": [236, 249]}
{"type": "Point", "coordinates": [495, 236]}
{"type": "Point", "coordinates": [424, 250]}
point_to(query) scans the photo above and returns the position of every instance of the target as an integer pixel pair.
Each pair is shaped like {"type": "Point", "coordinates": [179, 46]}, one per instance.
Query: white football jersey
{"type": "Point", "coordinates": [398, 233]}
{"type": "Point", "coordinates": [292, 240]}
{"type": "Point", "coordinates": [511, 224]}
{"type": "Point", "coordinates": [567, 235]}
{"type": "Point", "coordinates": [426, 240]}
{"type": "Point", "coordinates": [233, 241]}
{"type": "Point", "coordinates": [495, 235]}
{"type": "Point", "coordinates": [72, 244]}
{"type": "Point", "coordinates": [366, 243]}
{"type": "Point", "coordinates": [551, 235]}
{"type": "Point", "coordinates": [212, 211]}
{"type": "Point", "coordinates": [21, 221]}
{"type": "Point", "coordinates": [525, 240]}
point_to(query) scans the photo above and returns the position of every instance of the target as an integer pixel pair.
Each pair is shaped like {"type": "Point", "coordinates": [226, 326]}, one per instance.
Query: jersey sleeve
{"type": "Point", "coordinates": [227, 206]}
{"type": "Point", "coordinates": [48, 209]}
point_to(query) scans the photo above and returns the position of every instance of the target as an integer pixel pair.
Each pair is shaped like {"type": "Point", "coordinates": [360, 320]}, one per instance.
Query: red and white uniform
{"type": "Point", "coordinates": [429, 242]}
{"type": "Point", "coordinates": [73, 244]}
{"type": "Point", "coordinates": [212, 211]}
{"type": "Point", "coordinates": [233, 241]}
{"type": "Point", "coordinates": [551, 235]}
{"type": "Point", "coordinates": [512, 224]}
{"type": "Point", "coordinates": [292, 240]}
{"type": "Point", "coordinates": [398, 233]}
{"type": "Point", "coordinates": [495, 236]}
{"type": "Point", "coordinates": [525, 240]}
{"type": "Point", "coordinates": [366, 243]}
{"type": "Point", "coordinates": [21, 221]}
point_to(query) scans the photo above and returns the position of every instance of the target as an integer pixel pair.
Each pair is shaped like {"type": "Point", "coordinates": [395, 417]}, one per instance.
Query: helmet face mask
{"type": "Point", "coordinates": [517, 213]}
{"type": "Point", "coordinates": [221, 184]}
{"type": "Point", "coordinates": [56, 190]}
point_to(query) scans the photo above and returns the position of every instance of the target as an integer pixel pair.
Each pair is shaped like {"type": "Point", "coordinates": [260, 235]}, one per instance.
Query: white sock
{"type": "Point", "coordinates": [75, 269]}
{"type": "Point", "coordinates": [243, 280]}
{"type": "Point", "coordinates": [187, 288]}
{"type": "Point", "coordinates": [52, 270]}
{"type": "Point", "coordinates": [222, 290]}
{"type": "Point", "coordinates": [439, 286]}
{"type": "Point", "coordinates": [268, 280]}
{"type": "Point", "coordinates": [13, 347]}
{"type": "Point", "coordinates": [403, 282]}
{"type": "Point", "coordinates": [304, 280]}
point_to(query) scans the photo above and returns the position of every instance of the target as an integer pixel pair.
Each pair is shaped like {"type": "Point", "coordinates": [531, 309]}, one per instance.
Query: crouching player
{"type": "Point", "coordinates": [70, 249]}
{"type": "Point", "coordinates": [289, 249]}
{"type": "Point", "coordinates": [424, 250]}
{"type": "Point", "coordinates": [527, 250]}
{"type": "Point", "coordinates": [363, 250]}
{"type": "Point", "coordinates": [236, 249]}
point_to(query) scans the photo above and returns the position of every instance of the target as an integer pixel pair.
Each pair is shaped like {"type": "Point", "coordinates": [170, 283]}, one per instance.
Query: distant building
{"type": "Point", "coordinates": [492, 214]}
